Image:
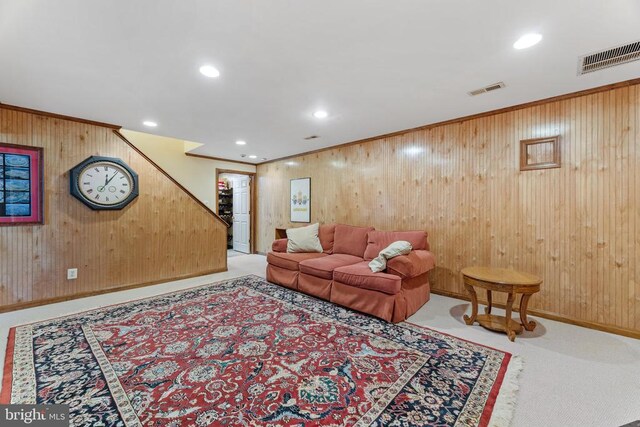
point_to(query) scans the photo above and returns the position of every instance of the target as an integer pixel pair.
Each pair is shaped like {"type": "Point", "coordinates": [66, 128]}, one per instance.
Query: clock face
{"type": "Point", "coordinates": [105, 183]}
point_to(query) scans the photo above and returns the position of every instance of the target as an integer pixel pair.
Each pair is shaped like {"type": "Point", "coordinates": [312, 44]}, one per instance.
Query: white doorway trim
{"type": "Point", "coordinates": [252, 201]}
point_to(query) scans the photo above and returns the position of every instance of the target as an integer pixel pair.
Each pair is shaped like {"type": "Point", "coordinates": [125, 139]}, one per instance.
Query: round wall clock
{"type": "Point", "coordinates": [104, 183]}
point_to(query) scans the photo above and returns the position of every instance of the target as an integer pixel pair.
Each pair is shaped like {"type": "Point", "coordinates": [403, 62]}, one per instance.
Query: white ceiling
{"type": "Point", "coordinates": [377, 66]}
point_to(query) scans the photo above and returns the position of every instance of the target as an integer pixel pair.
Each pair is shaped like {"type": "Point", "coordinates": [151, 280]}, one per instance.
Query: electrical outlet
{"type": "Point", "coordinates": [72, 273]}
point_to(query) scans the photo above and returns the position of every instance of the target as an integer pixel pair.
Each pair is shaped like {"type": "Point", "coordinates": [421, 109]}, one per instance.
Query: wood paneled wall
{"type": "Point", "coordinates": [578, 227]}
{"type": "Point", "coordinates": [164, 234]}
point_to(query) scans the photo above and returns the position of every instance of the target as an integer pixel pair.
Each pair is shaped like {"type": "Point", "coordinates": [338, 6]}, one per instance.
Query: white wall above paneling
{"type": "Point", "coordinates": [196, 174]}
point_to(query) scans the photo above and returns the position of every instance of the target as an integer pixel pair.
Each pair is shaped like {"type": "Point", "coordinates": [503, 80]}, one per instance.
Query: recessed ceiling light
{"type": "Point", "coordinates": [253, 156]}
{"type": "Point", "coordinates": [320, 114]}
{"type": "Point", "coordinates": [149, 123]}
{"type": "Point", "coordinates": [241, 143]}
{"type": "Point", "coordinates": [527, 40]}
{"type": "Point", "coordinates": [209, 71]}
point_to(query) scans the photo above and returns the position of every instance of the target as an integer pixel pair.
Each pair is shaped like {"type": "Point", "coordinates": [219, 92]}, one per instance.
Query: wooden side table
{"type": "Point", "coordinates": [500, 280]}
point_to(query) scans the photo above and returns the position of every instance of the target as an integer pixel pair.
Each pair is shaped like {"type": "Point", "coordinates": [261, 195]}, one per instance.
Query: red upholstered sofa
{"type": "Point", "coordinates": [341, 273]}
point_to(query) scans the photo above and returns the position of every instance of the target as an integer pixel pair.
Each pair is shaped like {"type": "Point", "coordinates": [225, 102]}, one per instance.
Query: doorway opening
{"type": "Point", "coordinates": [235, 201]}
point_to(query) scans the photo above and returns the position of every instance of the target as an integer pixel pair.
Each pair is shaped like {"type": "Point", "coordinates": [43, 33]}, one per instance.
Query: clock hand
{"type": "Point", "coordinates": [107, 182]}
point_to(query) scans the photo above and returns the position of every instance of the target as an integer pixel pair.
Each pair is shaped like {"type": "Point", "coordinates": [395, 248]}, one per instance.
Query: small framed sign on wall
{"type": "Point", "coordinates": [540, 153]}
{"type": "Point", "coordinates": [300, 200]}
{"type": "Point", "coordinates": [20, 185]}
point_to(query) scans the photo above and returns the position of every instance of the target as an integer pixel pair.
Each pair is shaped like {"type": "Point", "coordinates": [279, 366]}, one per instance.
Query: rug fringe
{"type": "Point", "coordinates": [506, 401]}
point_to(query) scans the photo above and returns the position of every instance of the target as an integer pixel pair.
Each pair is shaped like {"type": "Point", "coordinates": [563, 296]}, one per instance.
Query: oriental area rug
{"type": "Point", "coordinates": [245, 352]}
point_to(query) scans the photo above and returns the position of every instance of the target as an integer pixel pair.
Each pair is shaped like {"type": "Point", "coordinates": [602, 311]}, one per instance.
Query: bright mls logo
{"type": "Point", "coordinates": [34, 415]}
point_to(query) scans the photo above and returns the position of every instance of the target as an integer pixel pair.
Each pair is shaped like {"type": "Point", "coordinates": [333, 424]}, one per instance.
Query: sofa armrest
{"type": "Point", "coordinates": [279, 245]}
{"type": "Point", "coordinates": [411, 265]}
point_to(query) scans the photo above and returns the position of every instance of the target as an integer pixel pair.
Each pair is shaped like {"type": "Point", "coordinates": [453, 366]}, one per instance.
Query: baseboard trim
{"type": "Point", "coordinates": [31, 304]}
{"type": "Point", "coordinates": [631, 333]}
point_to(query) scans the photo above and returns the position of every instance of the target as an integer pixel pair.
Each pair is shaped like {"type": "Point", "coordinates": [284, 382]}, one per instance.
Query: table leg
{"type": "Point", "coordinates": [509, 307]}
{"type": "Point", "coordinates": [474, 305]}
{"type": "Point", "coordinates": [524, 302]}
{"type": "Point", "coordinates": [487, 309]}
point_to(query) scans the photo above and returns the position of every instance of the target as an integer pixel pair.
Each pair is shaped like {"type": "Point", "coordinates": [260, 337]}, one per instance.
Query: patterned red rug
{"type": "Point", "coordinates": [248, 353]}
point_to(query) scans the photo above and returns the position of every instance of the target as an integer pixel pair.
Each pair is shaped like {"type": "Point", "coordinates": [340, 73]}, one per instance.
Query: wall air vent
{"type": "Point", "coordinates": [486, 89]}
{"type": "Point", "coordinates": [609, 58]}
{"type": "Point", "coordinates": [308, 138]}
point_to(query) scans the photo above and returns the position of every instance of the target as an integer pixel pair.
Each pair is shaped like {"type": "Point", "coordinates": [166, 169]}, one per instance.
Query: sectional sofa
{"type": "Point", "coordinates": [341, 273]}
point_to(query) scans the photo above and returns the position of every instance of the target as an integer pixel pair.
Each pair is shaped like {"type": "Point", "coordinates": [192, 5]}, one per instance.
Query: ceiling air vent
{"type": "Point", "coordinates": [486, 89]}
{"type": "Point", "coordinates": [311, 137]}
{"type": "Point", "coordinates": [609, 58]}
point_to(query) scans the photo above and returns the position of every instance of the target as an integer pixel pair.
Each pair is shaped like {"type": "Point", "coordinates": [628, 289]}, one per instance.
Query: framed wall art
{"type": "Point", "coordinates": [540, 153]}
{"type": "Point", "coordinates": [20, 185]}
{"type": "Point", "coordinates": [300, 200]}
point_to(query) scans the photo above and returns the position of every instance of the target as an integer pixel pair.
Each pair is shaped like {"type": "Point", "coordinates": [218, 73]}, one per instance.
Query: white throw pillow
{"type": "Point", "coordinates": [379, 263]}
{"type": "Point", "coordinates": [304, 239]}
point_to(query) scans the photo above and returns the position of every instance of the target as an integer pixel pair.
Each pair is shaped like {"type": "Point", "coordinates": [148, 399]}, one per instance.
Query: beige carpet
{"type": "Point", "coordinates": [572, 376]}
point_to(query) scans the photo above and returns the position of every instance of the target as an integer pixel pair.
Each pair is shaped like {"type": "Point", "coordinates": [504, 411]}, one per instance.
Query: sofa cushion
{"type": "Point", "coordinates": [290, 261]}
{"type": "Point", "coordinates": [378, 240]}
{"type": "Point", "coordinates": [351, 240]}
{"type": "Point", "coordinates": [360, 276]}
{"type": "Point", "coordinates": [323, 267]}
{"type": "Point", "coordinates": [326, 235]}
{"type": "Point", "coordinates": [304, 239]}
{"type": "Point", "coordinates": [411, 265]}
